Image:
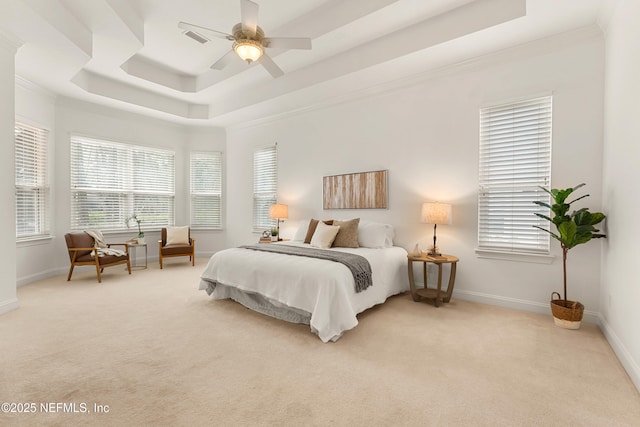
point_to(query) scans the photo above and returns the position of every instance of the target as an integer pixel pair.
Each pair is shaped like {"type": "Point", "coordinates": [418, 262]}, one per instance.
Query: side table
{"type": "Point", "coordinates": [437, 295]}
{"type": "Point", "coordinates": [133, 248]}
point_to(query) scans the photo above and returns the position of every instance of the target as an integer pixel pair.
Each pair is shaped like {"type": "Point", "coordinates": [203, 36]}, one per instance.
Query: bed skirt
{"type": "Point", "coordinates": [259, 303]}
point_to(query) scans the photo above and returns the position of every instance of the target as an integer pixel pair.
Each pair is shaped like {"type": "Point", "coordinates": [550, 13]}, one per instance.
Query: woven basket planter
{"type": "Point", "coordinates": [566, 314]}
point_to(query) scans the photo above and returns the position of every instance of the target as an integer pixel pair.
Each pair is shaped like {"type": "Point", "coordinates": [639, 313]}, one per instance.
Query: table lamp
{"type": "Point", "coordinates": [435, 213]}
{"type": "Point", "coordinates": [278, 211]}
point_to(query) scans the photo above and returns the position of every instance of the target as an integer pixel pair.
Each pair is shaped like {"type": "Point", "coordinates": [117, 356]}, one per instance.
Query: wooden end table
{"type": "Point", "coordinates": [435, 294]}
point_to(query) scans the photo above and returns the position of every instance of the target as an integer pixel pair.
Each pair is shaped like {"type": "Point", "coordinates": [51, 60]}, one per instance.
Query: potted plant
{"type": "Point", "coordinates": [134, 217]}
{"type": "Point", "coordinates": [573, 229]}
{"type": "Point", "coordinates": [274, 234]}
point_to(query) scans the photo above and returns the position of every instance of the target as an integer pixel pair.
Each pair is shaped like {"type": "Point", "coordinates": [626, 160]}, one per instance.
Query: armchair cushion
{"type": "Point", "coordinates": [178, 235]}
{"type": "Point", "coordinates": [176, 241]}
{"type": "Point", "coordinates": [79, 240]}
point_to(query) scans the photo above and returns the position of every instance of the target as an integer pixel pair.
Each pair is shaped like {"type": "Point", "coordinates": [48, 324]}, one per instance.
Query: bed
{"type": "Point", "coordinates": [303, 289]}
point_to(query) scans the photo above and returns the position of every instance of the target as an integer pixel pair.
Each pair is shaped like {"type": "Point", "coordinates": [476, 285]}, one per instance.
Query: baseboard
{"type": "Point", "coordinates": [625, 358]}
{"type": "Point", "coordinates": [9, 305]}
{"type": "Point", "coordinates": [623, 355]}
{"type": "Point", "coordinates": [25, 280]}
{"type": "Point", "coordinates": [518, 304]}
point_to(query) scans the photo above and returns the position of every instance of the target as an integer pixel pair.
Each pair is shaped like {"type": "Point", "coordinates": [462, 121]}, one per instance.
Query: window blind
{"type": "Point", "coordinates": [32, 182]}
{"type": "Point", "coordinates": [110, 181]}
{"type": "Point", "coordinates": [206, 190]}
{"type": "Point", "coordinates": [515, 159]}
{"type": "Point", "coordinates": [265, 187]}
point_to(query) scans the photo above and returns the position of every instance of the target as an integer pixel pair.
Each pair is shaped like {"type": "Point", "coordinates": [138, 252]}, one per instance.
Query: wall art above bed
{"type": "Point", "coordinates": [363, 190]}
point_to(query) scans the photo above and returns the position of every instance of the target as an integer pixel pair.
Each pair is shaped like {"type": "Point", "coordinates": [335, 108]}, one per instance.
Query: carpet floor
{"type": "Point", "coordinates": [150, 349]}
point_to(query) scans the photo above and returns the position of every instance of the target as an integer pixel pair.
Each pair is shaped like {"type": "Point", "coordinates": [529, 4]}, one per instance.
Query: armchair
{"type": "Point", "coordinates": [176, 241]}
{"type": "Point", "coordinates": [81, 252]}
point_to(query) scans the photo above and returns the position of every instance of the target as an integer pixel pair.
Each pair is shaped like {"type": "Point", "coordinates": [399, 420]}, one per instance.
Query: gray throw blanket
{"type": "Point", "coordinates": [359, 266]}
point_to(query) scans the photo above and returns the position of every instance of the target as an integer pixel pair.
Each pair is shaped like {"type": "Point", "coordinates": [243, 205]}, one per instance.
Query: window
{"type": "Point", "coordinates": [32, 182]}
{"type": "Point", "coordinates": [111, 181]}
{"type": "Point", "coordinates": [265, 186]}
{"type": "Point", "coordinates": [515, 159]}
{"type": "Point", "coordinates": [206, 190]}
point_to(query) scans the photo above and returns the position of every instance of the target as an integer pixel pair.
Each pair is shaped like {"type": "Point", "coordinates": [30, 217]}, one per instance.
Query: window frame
{"type": "Point", "coordinates": [141, 181]}
{"type": "Point", "coordinates": [40, 177]}
{"type": "Point", "coordinates": [515, 156]}
{"type": "Point", "coordinates": [265, 186]}
{"type": "Point", "coordinates": [211, 191]}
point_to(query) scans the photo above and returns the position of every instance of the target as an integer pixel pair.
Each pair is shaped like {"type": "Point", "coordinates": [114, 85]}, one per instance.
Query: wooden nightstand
{"type": "Point", "coordinates": [264, 240]}
{"type": "Point", "coordinates": [435, 294]}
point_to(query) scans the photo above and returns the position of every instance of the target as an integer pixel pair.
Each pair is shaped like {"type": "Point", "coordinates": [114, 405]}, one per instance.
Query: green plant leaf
{"type": "Point", "coordinates": [543, 216]}
{"type": "Point", "coordinates": [554, 235]}
{"type": "Point", "coordinates": [575, 228]}
{"type": "Point", "coordinates": [581, 197]}
{"type": "Point", "coordinates": [567, 232]}
{"type": "Point", "coordinates": [539, 203]}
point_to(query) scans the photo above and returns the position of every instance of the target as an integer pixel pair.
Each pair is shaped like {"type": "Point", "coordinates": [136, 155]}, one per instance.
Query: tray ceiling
{"type": "Point", "coordinates": [131, 55]}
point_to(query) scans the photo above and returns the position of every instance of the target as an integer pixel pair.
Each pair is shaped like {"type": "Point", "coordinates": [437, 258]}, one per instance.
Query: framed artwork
{"type": "Point", "coordinates": [362, 190]}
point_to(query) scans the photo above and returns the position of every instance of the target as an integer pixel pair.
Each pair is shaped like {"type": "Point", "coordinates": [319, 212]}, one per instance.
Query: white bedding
{"type": "Point", "coordinates": [323, 288]}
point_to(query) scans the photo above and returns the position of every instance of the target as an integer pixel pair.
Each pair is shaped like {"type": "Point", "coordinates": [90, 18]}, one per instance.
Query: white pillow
{"type": "Point", "coordinates": [324, 235]}
{"type": "Point", "coordinates": [178, 235]}
{"type": "Point", "coordinates": [375, 235]}
{"type": "Point", "coordinates": [302, 231]}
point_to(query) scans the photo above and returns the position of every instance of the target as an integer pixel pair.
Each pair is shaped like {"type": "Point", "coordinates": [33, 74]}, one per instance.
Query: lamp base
{"type": "Point", "coordinates": [434, 251]}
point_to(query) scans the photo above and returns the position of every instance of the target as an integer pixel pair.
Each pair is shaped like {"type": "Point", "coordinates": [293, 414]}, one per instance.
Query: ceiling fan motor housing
{"type": "Point", "coordinates": [238, 34]}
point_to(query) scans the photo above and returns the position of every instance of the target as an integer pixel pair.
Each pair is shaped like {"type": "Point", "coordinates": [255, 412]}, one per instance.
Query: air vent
{"type": "Point", "coordinates": [197, 37]}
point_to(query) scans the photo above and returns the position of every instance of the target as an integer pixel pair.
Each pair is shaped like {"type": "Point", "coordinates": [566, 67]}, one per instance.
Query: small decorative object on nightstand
{"type": "Point", "coordinates": [437, 295]}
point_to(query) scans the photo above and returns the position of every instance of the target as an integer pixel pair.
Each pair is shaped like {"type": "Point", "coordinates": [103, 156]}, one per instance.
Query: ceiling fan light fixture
{"type": "Point", "coordinates": [248, 50]}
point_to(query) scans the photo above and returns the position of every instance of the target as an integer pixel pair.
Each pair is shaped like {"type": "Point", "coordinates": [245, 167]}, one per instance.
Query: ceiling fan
{"type": "Point", "coordinates": [249, 41]}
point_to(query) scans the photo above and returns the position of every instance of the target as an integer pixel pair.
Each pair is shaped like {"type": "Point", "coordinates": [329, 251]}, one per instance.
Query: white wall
{"type": "Point", "coordinates": [36, 106]}
{"type": "Point", "coordinates": [620, 291]}
{"type": "Point", "coordinates": [63, 117]}
{"type": "Point", "coordinates": [99, 122]}
{"type": "Point", "coordinates": [426, 135]}
{"type": "Point", "coordinates": [8, 300]}
{"type": "Point", "coordinates": [208, 139]}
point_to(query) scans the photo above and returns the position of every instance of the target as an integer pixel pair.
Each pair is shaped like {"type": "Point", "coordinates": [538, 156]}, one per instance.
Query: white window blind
{"type": "Point", "coordinates": [110, 181]}
{"type": "Point", "coordinates": [32, 182]}
{"type": "Point", "coordinates": [515, 159]}
{"type": "Point", "coordinates": [206, 190]}
{"type": "Point", "coordinates": [265, 186]}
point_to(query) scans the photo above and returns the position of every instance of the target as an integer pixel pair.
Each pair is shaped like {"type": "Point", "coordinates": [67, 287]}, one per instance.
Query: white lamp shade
{"type": "Point", "coordinates": [436, 213]}
{"type": "Point", "coordinates": [278, 211]}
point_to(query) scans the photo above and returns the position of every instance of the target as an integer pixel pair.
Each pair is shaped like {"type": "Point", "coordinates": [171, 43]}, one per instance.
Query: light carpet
{"type": "Point", "coordinates": [154, 350]}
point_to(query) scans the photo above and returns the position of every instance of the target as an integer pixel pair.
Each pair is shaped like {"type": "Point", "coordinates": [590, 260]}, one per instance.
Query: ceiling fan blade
{"type": "Point", "coordinates": [225, 60]}
{"type": "Point", "coordinates": [271, 66]}
{"type": "Point", "coordinates": [204, 31]}
{"type": "Point", "coordinates": [287, 42]}
{"type": "Point", "coordinates": [249, 17]}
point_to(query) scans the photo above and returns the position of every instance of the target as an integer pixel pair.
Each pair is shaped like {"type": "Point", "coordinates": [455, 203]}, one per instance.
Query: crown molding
{"type": "Point", "coordinates": [605, 14]}
{"type": "Point", "coordinates": [10, 41]}
{"type": "Point", "coordinates": [32, 87]}
{"type": "Point", "coordinates": [549, 44]}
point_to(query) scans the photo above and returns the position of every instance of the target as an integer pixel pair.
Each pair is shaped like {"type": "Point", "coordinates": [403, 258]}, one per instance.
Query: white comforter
{"type": "Point", "coordinates": [323, 288]}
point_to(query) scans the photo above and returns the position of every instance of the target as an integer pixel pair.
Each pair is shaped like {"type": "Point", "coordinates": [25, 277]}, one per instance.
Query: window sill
{"type": "Point", "coordinates": [34, 241]}
{"type": "Point", "coordinates": [515, 256]}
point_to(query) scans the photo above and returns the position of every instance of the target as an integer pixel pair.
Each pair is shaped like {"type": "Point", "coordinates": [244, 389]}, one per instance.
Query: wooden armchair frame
{"type": "Point", "coordinates": [167, 251]}
{"type": "Point", "coordinates": [81, 256]}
